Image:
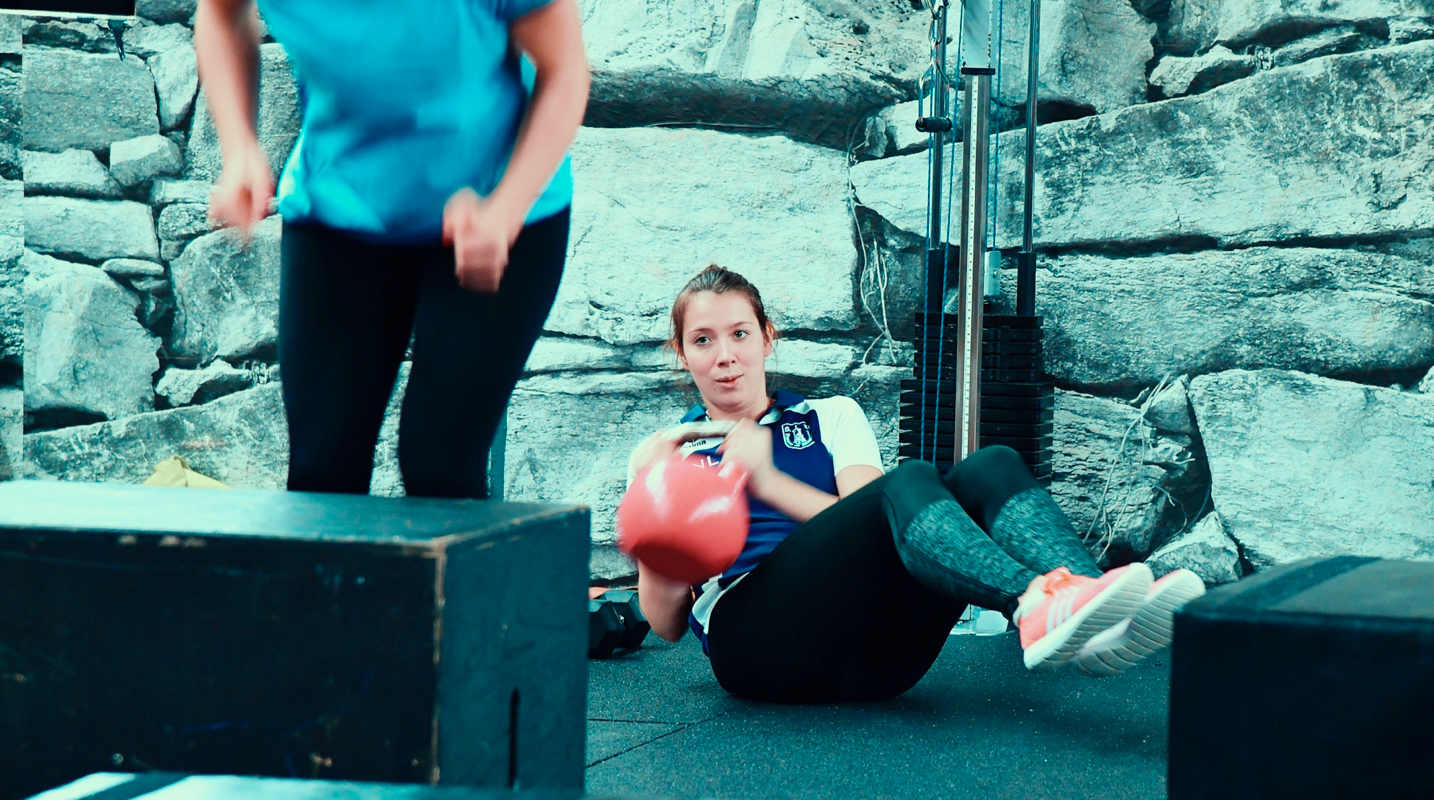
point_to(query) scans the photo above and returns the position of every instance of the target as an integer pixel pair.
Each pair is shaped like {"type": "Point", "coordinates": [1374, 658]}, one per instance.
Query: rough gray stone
{"type": "Point", "coordinates": [1426, 384]}
{"type": "Point", "coordinates": [1126, 322]}
{"type": "Point", "coordinates": [227, 297]}
{"type": "Point", "coordinates": [794, 358]}
{"type": "Point", "coordinates": [127, 268]}
{"type": "Point", "coordinates": [85, 351]}
{"type": "Point", "coordinates": [12, 219]}
{"type": "Point", "coordinates": [387, 479]}
{"type": "Point", "coordinates": [11, 114]}
{"type": "Point", "coordinates": [182, 387]}
{"type": "Point", "coordinates": [1323, 43]}
{"type": "Point", "coordinates": [164, 192]}
{"type": "Point", "coordinates": [12, 277]}
{"type": "Point", "coordinates": [1206, 551]}
{"type": "Point", "coordinates": [1093, 54]}
{"type": "Point", "coordinates": [137, 162]}
{"type": "Point", "coordinates": [1182, 75]}
{"type": "Point", "coordinates": [77, 173]}
{"type": "Point", "coordinates": [9, 35]}
{"type": "Point", "coordinates": [770, 208]}
{"type": "Point", "coordinates": [1303, 466]}
{"type": "Point", "coordinates": [89, 37]}
{"type": "Point", "coordinates": [810, 68]}
{"type": "Point", "coordinates": [555, 354]}
{"type": "Point", "coordinates": [1403, 30]}
{"type": "Point", "coordinates": [10, 168]}
{"type": "Point", "coordinates": [183, 221]}
{"type": "Point", "coordinates": [877, 389]}
{"type": "Point", "coordinates": [1195, 25]}
{"type": "Point", "coordinates": [163, 11]}
{"type": "Point", "coordinates": [278, 120]}
{"type": "Point", "coordinates": [147, 41]}
{"type": "Point", "coordinates": [1169, 408]}
{"type": "Point", "coordinates": [241, 440]}
{"type": "Point", "coordinates": [171, 249]}
{"type": "Point", "coordinates": [60, 88]}
{"type": "Point", "coordinates": [1357, 166]}
{"type": "Point", "coordinates": [90, 230]}
{"type": "Point", "coordinates": [892, 130]}
{"type": "Point", "coordinates": [176, 81]}
{"type": "Point", "coordinates": [12, 104]}
{"type": "Point", "coordinates": [12, 426]}
{"type": "Point", "coordinates": [896, 190]}
{"type": "Point", "coordinates": [156, 300]}
{"type": "Point", "coordinates": [1126, 487]}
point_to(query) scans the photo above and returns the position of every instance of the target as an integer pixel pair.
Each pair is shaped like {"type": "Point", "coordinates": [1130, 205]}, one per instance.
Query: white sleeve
{"type": "Point", "coordinates": [846, 433]}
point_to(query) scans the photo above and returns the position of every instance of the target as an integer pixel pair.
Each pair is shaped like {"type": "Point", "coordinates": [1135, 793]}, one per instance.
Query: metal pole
{"type": "Point", "coordinates": [1026, 262]}
{"type": "Point", "coordinates": [974, 176]}
{"type": "Point", "coordinates": [936, 126]}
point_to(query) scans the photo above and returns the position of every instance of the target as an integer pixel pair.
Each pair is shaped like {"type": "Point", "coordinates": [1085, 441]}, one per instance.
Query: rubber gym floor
{"type": "Point", "coordinates": [979, 725]}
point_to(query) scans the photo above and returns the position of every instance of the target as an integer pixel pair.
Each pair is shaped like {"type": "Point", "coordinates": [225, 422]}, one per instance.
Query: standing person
{"type": "Point", "coordinates": [427, 196]}
{"type": "Point", "coordinates": [850, 580]}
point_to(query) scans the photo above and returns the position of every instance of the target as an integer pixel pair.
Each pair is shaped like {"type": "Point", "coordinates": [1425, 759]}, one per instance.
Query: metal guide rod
{"type": "Point", "coordinates": [937, 125]}
{"type": "Point", "coordinates": [975, 122]}
{"type": "Point", "coordinates": [1026, 261]}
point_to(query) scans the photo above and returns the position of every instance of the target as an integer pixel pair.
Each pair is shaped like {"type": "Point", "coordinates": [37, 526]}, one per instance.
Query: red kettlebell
{"type": "Point", "coordinates": [685, 518]}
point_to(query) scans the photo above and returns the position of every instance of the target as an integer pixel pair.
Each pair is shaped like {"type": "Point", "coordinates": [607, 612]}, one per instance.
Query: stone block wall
{"type": "Point", "coordinates": [1233, 211]}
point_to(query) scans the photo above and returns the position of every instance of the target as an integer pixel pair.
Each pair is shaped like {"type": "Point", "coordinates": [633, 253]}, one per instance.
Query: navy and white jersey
{"type": "Point", "coordinates": [812, 441]}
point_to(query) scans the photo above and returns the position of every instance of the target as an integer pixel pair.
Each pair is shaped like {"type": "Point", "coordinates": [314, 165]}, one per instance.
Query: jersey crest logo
{"type": "Point", "coordinates": [797, 435]}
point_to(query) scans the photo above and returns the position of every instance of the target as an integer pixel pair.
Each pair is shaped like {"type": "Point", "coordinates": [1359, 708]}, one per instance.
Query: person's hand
{"type": "Point", "coordinates": [749, 446]}
{"type": "Point", "coordinates": [481, 232]}
{"type": "Point", "coordinates": [651, 450]}
{"type": "Point", "coordinates": [241, 197]}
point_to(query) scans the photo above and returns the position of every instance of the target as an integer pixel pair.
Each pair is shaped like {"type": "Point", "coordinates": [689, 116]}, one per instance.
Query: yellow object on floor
{"type": "Point", "coordinates": [175, 471]}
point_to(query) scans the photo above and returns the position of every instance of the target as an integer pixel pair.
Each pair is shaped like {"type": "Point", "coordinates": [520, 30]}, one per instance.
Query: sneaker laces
{"type": "Point", "coordinates": [1055, 581]}
{"type": "Point", "coordinates": [1061, 578]}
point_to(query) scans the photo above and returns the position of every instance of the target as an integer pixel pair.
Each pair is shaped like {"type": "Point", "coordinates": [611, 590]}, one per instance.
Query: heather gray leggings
{"type": "Point", "coordinates": [857, 603]}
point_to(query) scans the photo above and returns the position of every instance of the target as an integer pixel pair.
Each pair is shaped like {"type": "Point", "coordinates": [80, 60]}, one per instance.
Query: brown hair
{"type": "Point", "coordinates": [717, 280]}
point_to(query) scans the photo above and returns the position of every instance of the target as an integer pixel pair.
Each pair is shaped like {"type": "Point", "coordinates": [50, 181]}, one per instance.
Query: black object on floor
{"type": "Point", "coordinates": [288, 634]}
{"type": "Point", "coordinates": [1310, 680]}
{"type": "Point", "coordinates": [616, 623]}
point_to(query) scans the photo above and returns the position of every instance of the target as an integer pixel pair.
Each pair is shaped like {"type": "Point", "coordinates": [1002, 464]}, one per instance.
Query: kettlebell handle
{"type": "Point", "coordinates": [692, 431]}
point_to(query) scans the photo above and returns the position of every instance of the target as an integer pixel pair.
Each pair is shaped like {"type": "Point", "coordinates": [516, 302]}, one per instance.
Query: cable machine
{"type": "Point", "coordinates": [978, 379]}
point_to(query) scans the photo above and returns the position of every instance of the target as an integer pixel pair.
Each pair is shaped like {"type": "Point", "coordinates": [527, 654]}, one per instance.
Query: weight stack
{"type": "Point", "coordinates": [1016, 406]}
{"type": "Point", "coordinates": [928, 411]}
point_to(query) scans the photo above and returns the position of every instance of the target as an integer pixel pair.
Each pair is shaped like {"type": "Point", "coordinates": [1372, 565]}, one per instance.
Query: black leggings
{"type": "Point", "coordinates": [347, 310]}
{"type": "Point", "coordinates": [834, 614]}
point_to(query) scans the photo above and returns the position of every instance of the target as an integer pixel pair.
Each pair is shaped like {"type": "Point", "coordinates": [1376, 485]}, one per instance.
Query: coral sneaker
{"type": "Point", "coordinates": [1072, 608]}
{"type": "Point", "coordinates": [1148, 631]}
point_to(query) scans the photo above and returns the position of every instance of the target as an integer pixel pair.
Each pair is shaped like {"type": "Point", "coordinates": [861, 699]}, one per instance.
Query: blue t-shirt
{"type": "Point", "coordinates": [404, 103]}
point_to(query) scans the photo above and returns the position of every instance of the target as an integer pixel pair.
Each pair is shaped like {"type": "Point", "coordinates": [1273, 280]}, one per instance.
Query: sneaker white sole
{"type": "Point", "coordinates": [1150, 630]}
{"type": "Point", "coordinates": [1119, 600]}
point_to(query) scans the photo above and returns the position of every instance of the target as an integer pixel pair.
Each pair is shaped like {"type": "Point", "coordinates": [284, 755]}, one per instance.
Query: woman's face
{"type": "Point", "coordinates": [724, 349]}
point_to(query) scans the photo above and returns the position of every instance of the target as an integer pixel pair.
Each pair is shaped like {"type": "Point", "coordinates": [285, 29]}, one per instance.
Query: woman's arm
{"type": "Point", "coordinates": [226, 45]}
{"type": "Point", "coordinates": [666, 603]}
{"type": "Point", "coordinates": [551, 36]}
{"type": "Point", "coordinates": [483, 229]}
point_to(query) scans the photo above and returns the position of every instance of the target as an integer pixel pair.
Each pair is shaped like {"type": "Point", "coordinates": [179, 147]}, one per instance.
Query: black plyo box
{"type": "Point", "coordinates": [289, 634]}
{"type": "Point", "coordinates": [1312, 680]}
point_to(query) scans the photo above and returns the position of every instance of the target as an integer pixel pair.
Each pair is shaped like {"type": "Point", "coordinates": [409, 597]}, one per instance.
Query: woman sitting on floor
{"type": "Point", "coordinates": [850, 580]}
